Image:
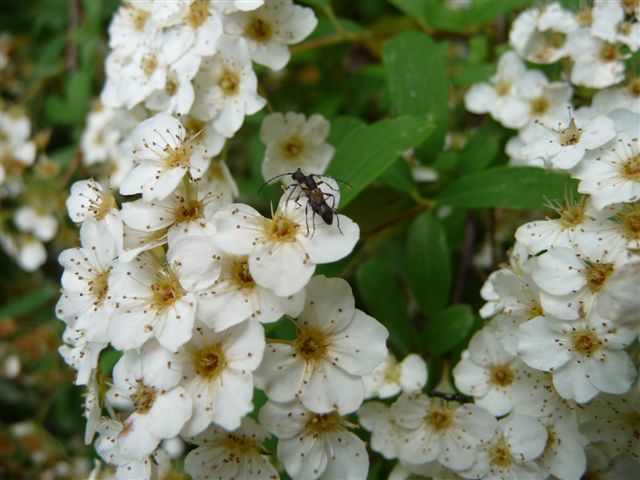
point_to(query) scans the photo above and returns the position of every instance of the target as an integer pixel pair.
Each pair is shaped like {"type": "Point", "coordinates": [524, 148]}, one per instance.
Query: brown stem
{"type": "Point", "coordinates": [397, 219]}
{"type": "Point", "coordinates": [493, 242]}
{"type": "Point", "coordinates": [72, 47]}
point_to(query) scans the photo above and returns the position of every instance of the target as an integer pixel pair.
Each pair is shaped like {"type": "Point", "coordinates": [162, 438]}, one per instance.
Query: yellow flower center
{"type": "Point", "coordinates": [501, 375]}
{"type": "Point", "coordinates": [208, 362]}
{"type": "Point", "coordinates": [631, 168]}
{"type": "Point", "coordinates": [229, 82]}
{"type": "Point", "coordinates": [584, 16]}
{"type": "Point", "coordinates": [597, 274]}
{"type": "Point", "coordinates": [241, 275]}
{"type": "Point", "coordinates": [281, 229]}
{"type": "Point", "coordinates": [630, 220]}
{"type": "Point", "coordinates": [500, 454]}
{"type": "Point", "coordinates": [143, 398]}
{"type": "Point", "coordinates": [258, 30]}
{"type": "Point", "coordinates": [503, 87]}
{"type": "Point", "coordinates": [609, 52]}
{"type": "Point", "coordinates": [321, 423]}
{"type": "Point", "coordinates": [166, 290]}
{"type": "Point", "coordinates": [99, 286]}
{"type": "Point", "coordinates": [570, 135]}
{"type": "Point", "coordinates": [291, 148]}
{"type": "Point", "coordinates": [171, 87]}
{"type": "Point", "coordinates": [198, 13]}
{"type": "Point", "coordinates": [585, 342]}
{"type": "Point", "coordinates": [311, 344]}
{"type": "Point", "coordinates": [139, 19]}
{"type": "Point", "coordinates": [540, 105]}
{"type": "Point", "coordinates": [439, 417]}
{"type": "Point", "coordinates": [149, 64]}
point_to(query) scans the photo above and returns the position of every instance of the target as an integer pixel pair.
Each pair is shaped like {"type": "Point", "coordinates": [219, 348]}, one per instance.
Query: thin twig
{"type": "Point", "coordinates": [493, 242]}
{"type": "Point", "coordinates": [406, 215]}
{"type": "Point", "coordinates": [72, 47]}
{"type": "Point", "coordinates": [452, 397]}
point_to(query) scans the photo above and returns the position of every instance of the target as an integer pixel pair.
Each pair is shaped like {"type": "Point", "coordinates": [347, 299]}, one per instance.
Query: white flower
{"type": "Point", "coordinates": [619, 300]}
{"type": "Point", "coordinates": [611, 234]}
{"type": "Point", "coordinates": [569, 282]}
{"type": "Point", "coordinates": [269, 29]}
{"type": "Point", "coordinates": [235, 297]}
{"type": "Point", "coordinates": [92, 408]}
{"type": "Point", "coordinates": [196, 27]}
{"type": "Point", "coordinates": [540, 35]}
{"type": "Point", "coordinates": [433, 428]}
{"type": "Point", "coordinates": [488, 373]}
{"type": "Point", "coordinates": [376, 418]}
{"type": "Point", "coordinates": [88, 200]}
{"type": "Point", "coordinates": [313, 445]}
{"type": "Point", "coordinates": [112, 433]}
{"type": "Point", "coordinates": [190, 205]}
{"type": "Point", "coordinates": [609, 24]}
{"type": "Point", "coordinates": [606, 465]}
{"type": "Point", "coordinates": [611, 174]}
{"type": "Point", "coordinates": [177, 95]}
{"type": "Point", "coordinates": [563, 456]}
{"type": "Point", "coordinates": [146, 381]}
{"type": "Point", "coordinates": [41, 224]}
{"type": "Point", "coordinates": [585, 356]}
{"type": "Point", "coordinates": [226, 87]}
{"type": "Point", "coordinates": [534, 395]}
{"type": "Point", "coordinates": [294, 142]}
{"type": "Point", "coordinates": [144, 73]}
{"type": "Point", "coordinates": [99, 137]}
{"type": "Point", "coordinates": [86, 302]}
{"type": "Point", "coordinates": [164, 154]}
{"type": "Point", "coordinates": [16, 150]}
{"type": "Point", "coordinates": [336, 345]}
{"type": "Point", "coordinates": [502, 97]}
{"type": "Point", "coordinates": [217, 374]}
{"type": "Point", "coordinates": [235, 454]}
{"type": "Point", "coordinates": [517, 442]}
{"type": "Point", "coordinates": [27, 251]}
{"type": "Point", "coordinates": [564, 146]}
{"type": "Point", "coordinates": [149, 302]}
{"type": "Point", "coordinates": [131, 27]}
{"type": "Point", "coordinates": [80, 354]}
{"type": "Point", "coordinates": [596, 64]}
{"type": "Point", "coordinates": [392, 377]}
{"type": "Point", "coordinates": [614, 420]}
{"type": "Point", "coordinates": [283, 251]}
{"type": "Point", "coordinates": [574, 219]}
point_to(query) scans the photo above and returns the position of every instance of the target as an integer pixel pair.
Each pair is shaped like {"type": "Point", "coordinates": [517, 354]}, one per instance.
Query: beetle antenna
{"type": "Point", "coordinates": [272, 179]}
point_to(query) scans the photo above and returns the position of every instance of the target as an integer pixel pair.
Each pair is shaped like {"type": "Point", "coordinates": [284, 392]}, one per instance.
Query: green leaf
{"type": "Point", "coordinates": [29, 302]}
{"type": "Point", "coordinates": [417, 80]}
{"type": "Point", "coordinates": [428, 265]}
{"type": "Point", "coordinates": [380, 291]}
{"type": "Point", "coordinates": [447, 329]}
{"type": "Point", "coordinates": [341, 127]}
{"type": "Point", "coordinates": [367, 152]}
{"type": "Point", "coordinates": [508, 187]}
{"type": "Point", "coordinates": [398, 176]}
{"type": "Point", "coordinates": [481, 149]}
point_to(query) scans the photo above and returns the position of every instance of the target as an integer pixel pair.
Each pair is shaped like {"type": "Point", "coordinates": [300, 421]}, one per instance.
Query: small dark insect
{"type": "Point", "coordinates": [316, 198]}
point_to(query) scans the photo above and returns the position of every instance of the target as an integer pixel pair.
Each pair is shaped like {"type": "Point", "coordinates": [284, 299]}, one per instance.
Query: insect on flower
{"type": "Point", "coordinates": [308, 186]}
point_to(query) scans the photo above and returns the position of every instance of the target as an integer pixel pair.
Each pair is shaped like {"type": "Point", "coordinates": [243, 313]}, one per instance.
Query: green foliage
{"type": "Point", "coordinates": [366, 152]}
{"type": "Point", "coordinates": [380, 290]}
{"type": "Point", "coordinates": [428, 265]}
{"type": "Point", "coordinates": [447, 329]}
{"type": "Point", "coordinates": [507, 187]}
{"type": "Point", "coordinates": [417, 81]}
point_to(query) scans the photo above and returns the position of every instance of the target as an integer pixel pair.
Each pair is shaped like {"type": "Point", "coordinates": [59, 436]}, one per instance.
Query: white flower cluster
{"type": "Point", "coordinates": [181, 281]}
{"type": "Point", "coordinates": [553, 373]}
{"type": "Point", "coordinates": [193, 59]}
{"type": "Point", "coordinates": [32, 221]}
